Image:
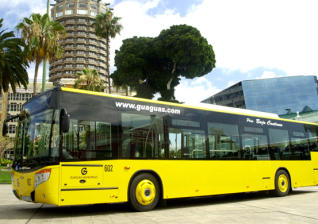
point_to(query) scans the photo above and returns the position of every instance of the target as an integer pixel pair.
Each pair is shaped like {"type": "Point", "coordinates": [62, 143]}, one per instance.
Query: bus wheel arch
{"type": "Point", "coordinates": [282, 182]}
{"type": "Point", "coordinates": [145, 190]}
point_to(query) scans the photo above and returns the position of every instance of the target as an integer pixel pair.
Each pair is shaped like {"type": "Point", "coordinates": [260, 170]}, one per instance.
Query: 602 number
{"type": "Point", "coordinates": [108, 168]}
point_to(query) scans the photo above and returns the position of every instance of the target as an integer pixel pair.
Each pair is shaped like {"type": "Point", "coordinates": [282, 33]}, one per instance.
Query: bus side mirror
{"type": "Point", "coordinates": [64, 121]}
{"type": "Point", "coordinates": [5, 129]}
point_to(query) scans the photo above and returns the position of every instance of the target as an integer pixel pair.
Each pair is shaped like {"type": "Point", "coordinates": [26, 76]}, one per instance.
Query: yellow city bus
{"type": "Point", "coordinates": [78, 147]}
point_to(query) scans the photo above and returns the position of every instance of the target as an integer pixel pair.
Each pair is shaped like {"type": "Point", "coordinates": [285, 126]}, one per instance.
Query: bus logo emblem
{"type": "Point", "coordinates": [84, 171]}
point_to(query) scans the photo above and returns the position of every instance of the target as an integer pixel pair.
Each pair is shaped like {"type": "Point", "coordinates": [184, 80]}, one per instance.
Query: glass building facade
{"type": "Point", "coordinates": [275, 95]}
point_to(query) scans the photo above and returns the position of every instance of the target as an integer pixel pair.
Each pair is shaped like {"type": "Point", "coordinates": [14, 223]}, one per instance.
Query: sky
{"type": "Point", "coordinates": [252, 39]}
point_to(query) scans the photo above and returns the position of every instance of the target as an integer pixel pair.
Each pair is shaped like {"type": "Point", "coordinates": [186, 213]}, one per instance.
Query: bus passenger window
{"type": "Point", "coordinates": [254, 147]}
{"type": "Point", "coordinates": [212, 144]}
{"type": "Point", "coordinates": [186, 143]}
{"type": "Point", "coordinates": [87, 140]}
{"type": "Point", "coordinates": [142, 136]}
{"type": "Point", "coordinates": [254, 144]}
{"type": "Point", "coordinates": [299, 148]}
{"type": "Point", "coordinates": [312, 136]}
{"type": "Point", "coordinates": [103, 143]}
{"type": "Point", "coordinates": [224, 139]}
{"type": "Point", "coordinates": [86, 136]}
{"type": "Point", "coordinates": [175, 145]}
{"type": "Point", "coordinates": [279, 144]}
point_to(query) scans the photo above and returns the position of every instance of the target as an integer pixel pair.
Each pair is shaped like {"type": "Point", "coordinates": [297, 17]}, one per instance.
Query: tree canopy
{"type": "Point", "coordinates": [134, 66]}
{"type": "Point", "coordinates": [90, 80]}
{"type": "Point", "coordinates": [156, 65]}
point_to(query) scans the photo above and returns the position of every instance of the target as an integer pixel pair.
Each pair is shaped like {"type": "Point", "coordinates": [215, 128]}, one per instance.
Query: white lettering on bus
{"type": "Point", "coordinates": [261, 122]}
{"type": "Point", "coordinates": [264, 122]}
{"type": "Point", "coordinates": [274, 124]}
{"type": "Point", "coordinates": [151, 109]}
{"type": "Point", "coordinates": [248, 120]}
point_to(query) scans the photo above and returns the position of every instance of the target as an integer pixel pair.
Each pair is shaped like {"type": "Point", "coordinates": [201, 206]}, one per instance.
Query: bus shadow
{"type": "Point", "coordinates": [45, 212]}
{"type": "Point", "coordinates": [223, 199]}
{"type": "Point", "coordinates": [48, 211]}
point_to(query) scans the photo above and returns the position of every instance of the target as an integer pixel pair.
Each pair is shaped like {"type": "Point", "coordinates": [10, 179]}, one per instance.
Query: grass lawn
{"type": "Point", "coordinates": [5, 176]}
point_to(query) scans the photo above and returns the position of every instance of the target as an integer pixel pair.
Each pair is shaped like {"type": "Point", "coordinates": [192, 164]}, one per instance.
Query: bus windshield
{"type": "Point", "coordinates": [37, 139]}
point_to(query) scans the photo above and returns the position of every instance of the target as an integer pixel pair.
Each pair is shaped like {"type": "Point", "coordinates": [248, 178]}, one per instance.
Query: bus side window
{"type": "Point", "coordinates": [224, 140]}
{"type": "Point", "coordinates": [254, 143]}
{"type": "Point", "coordinates": [103, 141]}
{"type": "Point", "coordinates": [212, 144]}
{"type": "Point", "coordinates": [299, 149]}
{"type": "Point", "coordinates": [142, 136]}
{"type": "Point", "coordinates": [279, 144]}
{"type": "Point", "coordinates": [186, 143]}
{"type": "Point", "coordinates": [87, 140]}
{"type": "Point", "coordinates": [175, 144]}
{"type": "Point", "coordinates": [187, 139]}
{"type": "Point", "coordinates": [312, 132]}
{"type": "Point", "coordinates": [70, 141]}
{"type": "Point", "coordinates": [86, 135]}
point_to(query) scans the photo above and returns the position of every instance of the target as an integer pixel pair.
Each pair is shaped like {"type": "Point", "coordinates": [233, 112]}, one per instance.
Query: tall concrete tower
{"type": "Point", "coordinates": [82, 48]}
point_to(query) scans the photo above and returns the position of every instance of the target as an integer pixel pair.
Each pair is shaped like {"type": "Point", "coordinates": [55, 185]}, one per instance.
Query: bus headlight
{"type": "Point", "coordinates": [41, 177]}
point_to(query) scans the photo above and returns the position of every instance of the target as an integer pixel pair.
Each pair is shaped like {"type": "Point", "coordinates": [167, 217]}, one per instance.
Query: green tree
{"type": "Point", "coordinates": [5, 143]}
{"type": "Point", "coordinates": [90, 80]}
{"type": "Point", "coordinates": [107, 26]}
{"type": "Point", "coordinates": [184, 53]}
{"type": "Point", "coordinates": [134, 66]}
{"type": "Point", "coordinates": [13, 64]}
{"type": "Point", "coordinates": [156, 65]}
{"type": "Point", "coordinates": [41, 37]}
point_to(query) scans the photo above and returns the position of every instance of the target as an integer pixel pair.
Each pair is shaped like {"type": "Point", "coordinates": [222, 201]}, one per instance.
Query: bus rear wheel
{"type": "Point", "coordinates": [282, 183]}
{"type": "Point", "coordinates": [144, 192]}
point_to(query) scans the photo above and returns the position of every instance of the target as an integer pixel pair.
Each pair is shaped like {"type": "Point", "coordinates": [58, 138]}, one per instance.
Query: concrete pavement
{"type": "Point", "coordinates": [299, 207]}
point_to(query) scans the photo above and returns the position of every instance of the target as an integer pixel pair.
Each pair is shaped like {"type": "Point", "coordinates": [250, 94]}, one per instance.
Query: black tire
{"type": "Point", "coordinates": [144, 192]}
{"type": "Point", "coordinates": [282, 183]}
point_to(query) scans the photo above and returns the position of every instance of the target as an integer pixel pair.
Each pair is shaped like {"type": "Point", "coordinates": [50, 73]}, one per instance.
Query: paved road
{"type": "Point", "coordinates": [299, 207]}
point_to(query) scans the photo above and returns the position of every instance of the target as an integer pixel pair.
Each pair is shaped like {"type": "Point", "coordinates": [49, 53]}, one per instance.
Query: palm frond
{"type": "Point", "coordinates": [41, 37]}
{"type": "Point", "coordinates": [13, 64]}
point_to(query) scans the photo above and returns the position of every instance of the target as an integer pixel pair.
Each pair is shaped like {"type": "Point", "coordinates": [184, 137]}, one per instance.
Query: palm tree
{"type": "Point", "coordinates": [41, 37]}
{"type": "Point", "coordinates": [13, 63]}
{"type": "Point", "coordinates": [90, 80]}
{"type": "Point", "coordinates": [107, 26]}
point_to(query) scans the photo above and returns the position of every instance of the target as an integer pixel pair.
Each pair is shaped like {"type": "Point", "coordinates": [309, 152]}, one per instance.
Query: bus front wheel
{"type": "Point", "coordinates": [144, 192]}
{"type": "Point", "coordinates": [282, 183]}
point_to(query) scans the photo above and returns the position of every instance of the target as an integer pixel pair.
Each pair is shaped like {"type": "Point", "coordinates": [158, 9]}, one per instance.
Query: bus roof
{"type": "Point", "coordinates": [236, 110]}
{"type": "Point", "coordinates": [202, 106]}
